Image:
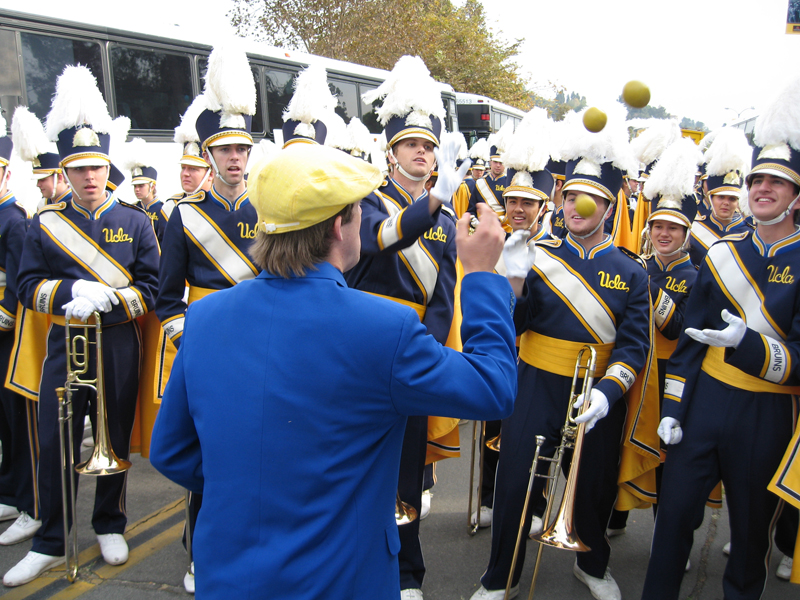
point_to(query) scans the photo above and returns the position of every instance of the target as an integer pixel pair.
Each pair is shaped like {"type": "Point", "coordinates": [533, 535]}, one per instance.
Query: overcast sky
{"type": "Point", "coordinates": [699, 57]}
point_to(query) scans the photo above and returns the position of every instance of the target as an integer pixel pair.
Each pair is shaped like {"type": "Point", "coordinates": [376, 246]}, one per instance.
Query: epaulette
{"type": "Point", "coordinates": [21, 206]}
{"type": "Point", "coordinates": [385, 183]}
{"type": "Point", "coordinates": [734, 237]}
{"type": "Point", "coordinates": [177, 197]}
{"type": "Point", "coordinates": [56, 206]}
{"type": "Point", "coordinates": [551, 243]}
{"type": "Point", "coordinates": [632, 255]}
{"type": "Point", "coordinates": [700, 218]}
{"type": "Point", "coordinates": [450, 212]}
{"type": "Point", "coordinates": [196, 197]}
{"type": "Point", "coordinates": [133, 206]}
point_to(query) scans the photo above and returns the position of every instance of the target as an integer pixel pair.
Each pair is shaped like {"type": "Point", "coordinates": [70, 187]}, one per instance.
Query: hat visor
{"type": "Point", "coordinates": [668, 216]}
{"type": "Point", "coordinates": [94, 160]}
{"type": "Point", "coordinates": [39, 175]}
{"type": "Point", "coordinates": [138, 180]}
{"type": "Point", "coordinates": [588, 188]}
{"type": "Point", "coordinates": [768, 170]}
{"type": "Point", "coordinates": [193, 161]}
{"type": "Point", "coordinates": [229, 138]}
{"type": "Point", "coordinates": [521, 192]}
{"type": "Point", "coordinates": [414, 132]}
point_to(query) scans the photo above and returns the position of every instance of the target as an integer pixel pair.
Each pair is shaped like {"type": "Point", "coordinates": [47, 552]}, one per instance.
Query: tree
{"type": "Point", "coordinates": [562, 102]}
{"type": "Point", "coordinates": [455, 42]}
{"type": "Point", "coordinates": [687, 123]}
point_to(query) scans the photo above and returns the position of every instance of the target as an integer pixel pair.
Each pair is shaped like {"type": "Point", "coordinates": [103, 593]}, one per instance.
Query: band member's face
{"type": "Point", "coordinates": [770, 196]}
{"type": "Point", "coordinates": [497, 168]}
{"type": "Point", "coordinates": [46, 186]}
{"type": "Point", "coordinates": [478, 173]}
{"type": "Point", "coordinates": [577, 224]}
{"type": "Point", "coordinates": [231, 161]}
{"type": "Point", "coordinates": [191, 177]}
{"type": "Point", "coordinates": [415, 155]}
{"type": "Point", "coordinates": [522, 213]}
{"type": "Point", "coordinates": [352, 236]}
{"type": "Point", "coordinates": [141, 190]}
{"type": "Point", "coordinates": [89, 183]}
{"type": "Point", "coordinates": [667, 236]}
{"type": "Point", "coordinates": [724, 206]}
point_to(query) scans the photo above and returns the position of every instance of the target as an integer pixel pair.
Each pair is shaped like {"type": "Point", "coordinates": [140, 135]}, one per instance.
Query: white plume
{"type": "Point", "coordinates": [28, 134]}
{"type": "Point", "coordinates": [780, 122]}
{"type": "Point", "coordinates": [657, 137]}
{"type": "Point", "coordinates": [187, 130]}
{"type": "Point", "coordinates": [337, 130]}
{"type": "Point", "coordinates": [480, 149]}
{"type": "Point", "coordinates": [463, 149]}
{"type": "Point", "coordinates": [358, 138]}
{"type": "Point", "coordinates": [119, 132]}
{"type": "Point", "coordinates": [136, 155]}
{"type": "Point", "coordinates": [409, 90]}
{"type": "Point", "coordinates": [77, 101]}
{"type": "Point", "coordinates": [728, 152]}
{"type": "Point", "coordinates": [312, 101]}
{"type": "Point", "coordinates": [529, 147]}
{"type": "Point", "coordinates": [229, 83]}
{"type": "Point", "coordinates": [502, 137]}
{"type": "Point", "coordinates": [673, 175]}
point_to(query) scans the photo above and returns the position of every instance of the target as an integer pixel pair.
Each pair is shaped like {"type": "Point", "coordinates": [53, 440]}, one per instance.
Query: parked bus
{"type": "Point", "coordinates": [152, 80]}
{"type": "Point", "coordinates": [479, 116]}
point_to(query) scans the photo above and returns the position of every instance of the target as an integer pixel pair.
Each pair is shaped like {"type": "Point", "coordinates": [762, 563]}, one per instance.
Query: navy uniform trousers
{"type": "Point", "coordinates": [718, 416]}
{"type": "Point", "coordinates": [122, 360]}
{"type": "Point", "coordinates": [541, 409]}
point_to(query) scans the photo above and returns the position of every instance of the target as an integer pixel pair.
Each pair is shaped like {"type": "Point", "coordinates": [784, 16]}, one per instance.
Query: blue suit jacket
{"type": "Point", "coordinates": [286, 408]}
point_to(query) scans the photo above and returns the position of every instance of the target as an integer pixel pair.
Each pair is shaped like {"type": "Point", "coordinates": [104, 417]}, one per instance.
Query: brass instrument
{"type": "Point", "coordinates": [103, 460]}
{"type": "Point", "coordinates": [491, 444]}
{"type": "Point", "coordinates": [404, 513]}
{"type": "Point", "coordinates": [561, 533]}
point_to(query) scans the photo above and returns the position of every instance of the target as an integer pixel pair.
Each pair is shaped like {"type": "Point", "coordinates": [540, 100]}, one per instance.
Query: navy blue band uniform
{"type": "Point", "coordinates": [155, 210]}
{"type": "Point", "coordinates": [706, 230]}
{"type": "Point", "coordinates": [571, 297]}
{"type": "Point", "coordinates": [489, 189]}
{"type": "Point", "coordinates": [736, 408]}
{"type": "Point", "coordinates": [115, 245]}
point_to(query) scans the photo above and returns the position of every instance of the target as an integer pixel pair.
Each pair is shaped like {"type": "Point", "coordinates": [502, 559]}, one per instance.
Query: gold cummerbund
{"type": "Point", "coordinates": [559, 356]}
{"type": "Point", "coordinates": [196, 293]}
{"type": "Point", "coordinates": [664, 347]}
{"type": "Point", "coordinates": [714, 364]}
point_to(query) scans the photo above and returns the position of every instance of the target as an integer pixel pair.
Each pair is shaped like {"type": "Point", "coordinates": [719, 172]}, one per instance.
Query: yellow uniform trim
{"type": "Point", "coordinates": [558, 356]}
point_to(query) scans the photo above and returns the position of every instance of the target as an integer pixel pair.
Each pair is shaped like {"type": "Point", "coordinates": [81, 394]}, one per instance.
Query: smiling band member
{"type": "Point", "coordinates": [89, 254]}
{"type": "Point", "coordinates": [573, 291]}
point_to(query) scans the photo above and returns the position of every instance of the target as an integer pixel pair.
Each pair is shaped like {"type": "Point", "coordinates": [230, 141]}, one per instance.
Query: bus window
{"type": "Point", "coordinates": [258, 119]}
{"type": "Point", "coordinates": [279, 92]}
{"type": "Point", "coordinates": [44, 58]}
{"type": "Point", "coordinates": [368, 115]}
{"type": "Point", "coordinates": [152, 88]}
{"type": "Point", "coordinates": [346, 96]}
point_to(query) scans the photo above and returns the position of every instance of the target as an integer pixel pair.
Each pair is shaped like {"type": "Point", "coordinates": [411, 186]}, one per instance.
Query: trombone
{"type": "Point", "coordinates": [491, 444]}
{"type": "Point", "coordinates": [103, 460]}
{"type": "Point", "coordinates": [561, 533]}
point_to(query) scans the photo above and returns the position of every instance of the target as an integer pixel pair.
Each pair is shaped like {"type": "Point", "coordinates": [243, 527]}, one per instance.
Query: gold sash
{"type": "Point", "coordinates": [714, 364]}
{"type": "Point", "coordinates": [558, 356]}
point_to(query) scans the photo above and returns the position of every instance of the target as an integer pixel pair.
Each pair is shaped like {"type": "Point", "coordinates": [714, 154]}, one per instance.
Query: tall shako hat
{"type": "Point", "coordinates": [186, 134]}
{"type": "Point", "coordinates": [307, 116]}
{"type": "Point", "coordinates": [777, 136]}
{"type": "Point", "coordinates": [78, 121]}
{"type": "Point", "coordinates": [358, 140]}
{"type": "Point", "coordinates": [230, 96]}
{"type": "Point", "coordinates": [479, 153]}
{"type": "Point", "coordinates": [671, 183]}
{"type": "Point", "coordinates": [499, 141]}
{"type": "Point", "coordinates": [655, 136]}
{"type": "Point", "coordinates": [412, 102]}
{"type": "Point", "coordinates": [597, 161]}
{"type": "Point", "coordinates": [727, 162]}
{"type": "Point", "coordinates": [32, 143]}
{"type": "Point", "coordinates": [528, 153]}
{"type": "Point", "coordinates": [137, 161]}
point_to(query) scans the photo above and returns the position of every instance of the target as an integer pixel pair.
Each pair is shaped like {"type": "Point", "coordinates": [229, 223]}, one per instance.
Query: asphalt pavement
{"type": "Point", "coordinates": [455, 560]}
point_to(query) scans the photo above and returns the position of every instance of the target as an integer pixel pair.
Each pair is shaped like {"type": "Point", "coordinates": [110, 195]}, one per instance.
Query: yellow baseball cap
{"type": "Point", "coordinates": [305, 184]}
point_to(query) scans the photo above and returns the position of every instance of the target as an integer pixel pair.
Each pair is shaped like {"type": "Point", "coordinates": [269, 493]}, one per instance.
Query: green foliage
{"type": "Point", "coordinates": [687, 123]}
{"type": "Point", "coordinates": [562, 102]}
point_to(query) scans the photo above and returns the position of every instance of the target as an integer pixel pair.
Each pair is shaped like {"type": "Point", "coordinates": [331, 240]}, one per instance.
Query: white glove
{"type": "Point", "coordinates": [80, 308]}
{"type": "Point", "coordinates": [449, 178]}
{"type": "Point", "coordinates": [598, 408]}
{"type": "Point", "coordinates": [100, 295]}
{"type": "Point", "coordinates": [730, 337]}
{"type": "Point", "coordinates": [669, 430]}
{"type": "Point", "coordinates": [518, 255]}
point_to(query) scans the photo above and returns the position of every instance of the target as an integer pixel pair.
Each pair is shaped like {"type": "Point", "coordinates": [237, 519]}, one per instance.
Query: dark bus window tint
{"type": "Point", "coordinates": [369, 116]}
{"type": "Point", "coordinates": [44, 58]}
{"type": "Point", "coordinates": [346, 96]}
{"type": "Point", "coordinates": [152, 88]}
{"type": "Point", "coordinates": [258, 118]}
{"type": "Point", "coordinates": [279, 92]}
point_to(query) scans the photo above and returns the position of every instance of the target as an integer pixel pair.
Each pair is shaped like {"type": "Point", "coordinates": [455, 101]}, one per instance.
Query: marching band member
{"type": "Point", "coordinates": [209, 233]}
{"type": "Point", "coordinates": [196, 173]}
{"type": "Point", "coordinates": [571, 292]}
{"type": "Point", "coordinates": [90, 254]}
{"type": "Point", "coordinates": [143, 179]}
{"type": "Point", "coordinates": [490, 188]}
{"type": "Point", "coordinates": [18, 492]}
{"type": "Point", "coordinates": [729, 409]}
{"type": "Point", "coordinates": [408, 252]}
{"type": "Point", "coordinates": [553, 220]}
{"type": "Point", "coordinates": [727, 158]}
{"type": "Point", "coordinates": [479, 154]}
{"type": "Point", "coordinates": [310, 112]}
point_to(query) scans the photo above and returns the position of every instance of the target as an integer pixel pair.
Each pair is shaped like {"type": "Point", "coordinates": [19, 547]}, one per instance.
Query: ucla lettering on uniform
{"type": "Point", "coordinates": [615, 283]}
{"type": "Point", "coordinates": [435, 236]}
{"type": "Point", "coordinates": [674, 286]}
{"type": "Point", "coordinates": [247, 231]}
{"type": "Point", "coordinates": [119, 236]}
{"type": "Point", "coordinates": [776, 276]}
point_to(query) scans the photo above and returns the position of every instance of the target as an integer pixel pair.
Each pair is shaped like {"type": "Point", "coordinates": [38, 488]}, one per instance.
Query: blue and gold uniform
{"type": "Point", "coordinates": [115, 245]}
{"type": "Point", "coordinates": [490, 190]}
{"type": "Point", "coordinates": [155, 210]}
{"type": "Point", "coordinates": [572, 297]}
{"type": "Point", "coordinates": [706, 230]}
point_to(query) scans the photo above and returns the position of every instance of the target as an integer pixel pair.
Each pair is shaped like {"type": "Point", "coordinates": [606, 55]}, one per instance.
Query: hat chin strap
{"type": "Point", "coordinates": [55, 185]}
{"type": "Point", "coordinates": [600, 224]}
{"type": "Point", "coordinates": [781, 216]}
{"type": "Point", "coordinates": [216, 170]}
{"type": "Point", "coordinates": [203, 180]}
{"type": "Point", "coordinates": [403, 172]}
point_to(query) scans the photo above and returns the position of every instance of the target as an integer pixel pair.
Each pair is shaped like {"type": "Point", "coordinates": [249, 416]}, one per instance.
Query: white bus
{"type": "Point", "coordinates": [479, 116]}
{"type": "Point", "coordinates": [152, 80]}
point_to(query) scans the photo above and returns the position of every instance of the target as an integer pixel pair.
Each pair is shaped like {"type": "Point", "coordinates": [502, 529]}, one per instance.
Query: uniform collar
{"type": "Point", "coordinates": [324, 270]}
{"type": "Point", "coordinates": [602, 248]}
{"type": "Point", "coordinates": [225, 203]}
{"type": "Point", "coordinates": [99, 211]}
{"type": "Point", "coordinates": [737, 220]}
{"type": "Point", "coordinates": [65, 197]}
{"type": "Point", "coordinates": [406, 194]}
{"type": "Point", "coordinates": [790, 242]}
{"type": "Point", "coordinates": [675, 264]}
{"type": "Point", "coordinates": [7, 200]}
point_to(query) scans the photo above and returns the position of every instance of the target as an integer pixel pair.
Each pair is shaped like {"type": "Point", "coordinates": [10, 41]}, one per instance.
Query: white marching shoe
{"type": "Point", "coordinates": [484, 594]}
{"type": "Point", "coordinates": [30, 567]}
{"type": "Point", "coordinates": [411, 594]}
{"type": "Point", "coordinates": [425, 506]}
{"type": "Point", "coordinates": [602, 589]}
{"type": "Point", "coordinates": [536, 526]}
{"type": "Point", "coordinates": [188, 579]}
{"type": "Point", "coordinates": [8, 512]}
{"type": "Point", "coordinates": [784, 569]}
{"type": "Point", "coordinates": [486, 517]}
{"type": "Point", "coordinates": [113, 547]}
{"type": "Point", "coordinates": [24, 528]}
